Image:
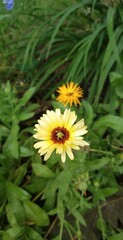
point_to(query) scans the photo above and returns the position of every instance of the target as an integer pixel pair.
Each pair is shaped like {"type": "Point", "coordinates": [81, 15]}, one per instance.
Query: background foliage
{"type": "Point", "coordinates": [42, 46]}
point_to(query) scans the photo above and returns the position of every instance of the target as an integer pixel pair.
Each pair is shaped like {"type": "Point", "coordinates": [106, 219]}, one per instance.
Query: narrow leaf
{"type": "Point", "coordinates": [109, 121]}
{"type": "Point", "coordinates": [118, 236]}
{"type": "Point", "coordinates": [42, 171]}
{"type": "Point", "coordinates": [25, 98]}
{"type": "Point", "coordinates": [97, 164]}
{"type": "Point", "coordinates": [33, 235]}
{"type": "Point", "coordinates": [13, 233]}
{"type": "Point", "coordinates": [16, 192]}
{"type": "Point", "coordinates": [11, 144]}
{"type": "Point", "coordinates": [35, 214]}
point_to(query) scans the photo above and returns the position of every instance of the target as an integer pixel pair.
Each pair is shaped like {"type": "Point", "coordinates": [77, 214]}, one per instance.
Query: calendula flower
{"type": "Point", "coordinates": [57, 131]}
{"type": "Point", "coordinates": [69, 94]}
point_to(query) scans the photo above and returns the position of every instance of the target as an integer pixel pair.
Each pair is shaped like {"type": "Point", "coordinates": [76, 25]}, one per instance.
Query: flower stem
{"type": "Point", "coordinates": [61, 229]}
{"type": "Point", "coordinates": [101, 222]}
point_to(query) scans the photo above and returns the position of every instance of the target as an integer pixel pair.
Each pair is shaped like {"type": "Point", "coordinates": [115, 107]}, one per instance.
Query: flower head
{"type": "Point", "coordinates": [69, 94]}
{"type": "Point", "coordinates": [9, 4]}
{"type": "Point", "coordinates": [57, 131]}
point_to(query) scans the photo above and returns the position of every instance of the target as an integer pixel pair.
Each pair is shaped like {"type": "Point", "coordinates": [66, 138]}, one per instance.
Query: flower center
{"type": "Point", "coordinates": [69, 94]}
{"type": "Point", "coordinates": [59, 135]}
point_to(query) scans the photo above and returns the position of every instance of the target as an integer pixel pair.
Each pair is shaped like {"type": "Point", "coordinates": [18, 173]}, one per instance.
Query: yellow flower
{"type": "Point", "coordinates": [57, 131]}
{"type": "Point", "coordinates": [69, 94]}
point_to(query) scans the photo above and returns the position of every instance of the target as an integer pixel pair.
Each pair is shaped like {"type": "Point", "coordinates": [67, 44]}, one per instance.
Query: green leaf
{"type": "Point", "coordinates": [36, 185]}
{"type": "Point", "coordinates": [98, 195]}
{"type": "Point", "coordinates": [97, 164]}
{"type": "Point", "coordinates": [32, 106]}
{"type": "Point", "coordinates": [25, 152]}
{"type": "Point", "coordinates": [20, 173]}
{"type": "Point", "coordinates": [2, 17]}
{"type": "Point", "coordinates": [110, 57]}
{"type": "Point", "coordinates": [79, 217]}
{"type": "Point", "coordinates": [25, 116]}
{"type": "Point", "coordinates": [109, 121]}
{"type": "Point", "coordinates": [89, 115]}
{"type": "Point", "coordinates": [13, 233]}
{"type": "Point", "coordinates": [16, 192]}
{"type": "Point", "coordinates": [111, 34]}
{"type": "Point", "coordinates": [109, 191]}
{"type": "Point", "coordinates": [60, 20]}
{"type": "Point", "coordinates": [56, 238]}
{"type": "Point", "coordinates": [25, 98]}
{"type": "Point", "coordinates": [50, 194]}
{"type": "Point", "coordinates": [10, 215]}
{"type": "Point", "coordinates": [118, 236]}
{"type": "Point", "coordinates": [63, 180]}
{"type": "Point", "coordinates": [15, 212]}
{"type": "Point", "coordinates": [11, 145]}
{"type": "Point", "coordinates": [2, 190]}
{"type": "Point", "coordinates": [41, 170]}
{"type": "Point", "coordinates": [56, 104]}
{"type": "Point", "coordinates": [33, 235]}
{"type": "Point", "coordinates": [4, 131]}
{"type": "Point", "coordinates": [60, 208]}
{"type": "Point", "coordinates": [116, 80]}
{"type": "Point", "coordinates": [35, 214]}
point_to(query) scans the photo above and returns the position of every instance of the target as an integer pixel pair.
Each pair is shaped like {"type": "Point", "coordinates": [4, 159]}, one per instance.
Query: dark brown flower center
{"type": "Point", "coordinates": [59, 135]}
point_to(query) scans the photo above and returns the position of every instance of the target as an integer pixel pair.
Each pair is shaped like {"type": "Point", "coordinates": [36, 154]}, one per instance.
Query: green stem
{"type": "Point", "coordinates": [100, 151]}
{"type": "Point", "coordinates": [101, 222]}
{"type": "Point", "coordinates": [61, 229]}
{"type": "Point", "coordinates": [79, 235]}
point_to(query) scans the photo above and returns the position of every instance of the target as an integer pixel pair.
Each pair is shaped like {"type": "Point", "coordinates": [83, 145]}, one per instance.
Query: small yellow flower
{"type": "Point", "coordinates": [69, 94]}
{"type": "Point", "coordinates": [57, 131]}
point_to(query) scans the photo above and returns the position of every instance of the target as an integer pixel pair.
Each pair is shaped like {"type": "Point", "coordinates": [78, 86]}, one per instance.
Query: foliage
{"type": "Point", "coordinates": [43, 46]}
